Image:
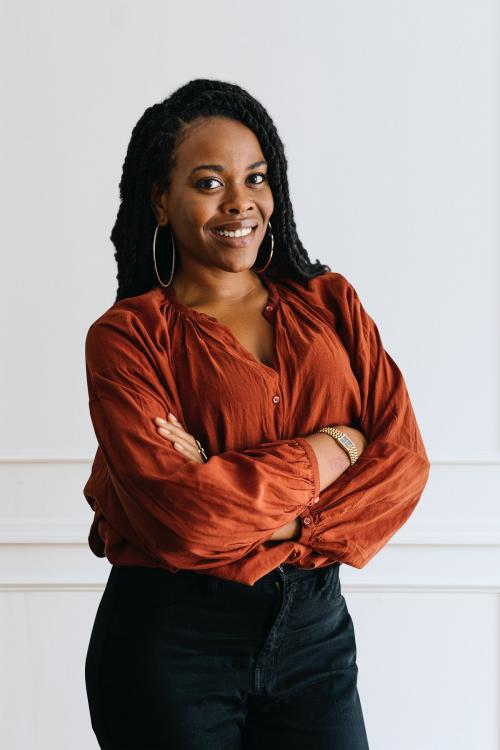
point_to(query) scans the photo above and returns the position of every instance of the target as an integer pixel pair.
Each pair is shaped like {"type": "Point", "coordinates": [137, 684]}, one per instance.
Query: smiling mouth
{"type": "Point", "coordinates": [243, 232]}
{"type": "Point", "coordinates": [240, 237]}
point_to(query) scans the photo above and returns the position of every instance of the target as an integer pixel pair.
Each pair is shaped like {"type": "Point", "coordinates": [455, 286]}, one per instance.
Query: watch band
{"type": "Point", "coordinates": [344, 441]}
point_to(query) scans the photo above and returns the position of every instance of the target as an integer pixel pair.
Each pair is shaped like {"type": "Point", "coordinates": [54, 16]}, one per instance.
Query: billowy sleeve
{"type": "Point", "coordinates": [361, 510]}
{"type": "Point", "coordinates": [183, 514]}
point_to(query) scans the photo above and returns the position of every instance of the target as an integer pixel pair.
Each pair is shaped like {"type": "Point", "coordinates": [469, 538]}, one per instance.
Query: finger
{"type": "Point", "coordinates": [191, 455]}
{"type": "Point", "coordinates": [174, 436]}
{"type": "Point", "coordinates": [187, 450]}
{"type": "Point", "coordinates": [184, 442]}
{"type": "Point", "coordinates": [171, 430]}
{"type": "Point", "coordinates": [168, 423]}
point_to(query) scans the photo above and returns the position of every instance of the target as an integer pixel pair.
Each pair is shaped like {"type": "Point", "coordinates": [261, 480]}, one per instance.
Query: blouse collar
{"type": "Point", "coordinates": [273, 298]}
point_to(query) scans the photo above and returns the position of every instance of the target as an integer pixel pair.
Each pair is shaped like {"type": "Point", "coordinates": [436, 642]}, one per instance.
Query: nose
{"type": "Point", "coordinates": [237, 200]}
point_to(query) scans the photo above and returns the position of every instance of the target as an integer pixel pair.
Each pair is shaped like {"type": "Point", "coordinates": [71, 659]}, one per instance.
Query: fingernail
{"type": "Point", "coordinates": [173, 416]}
{"type": "Point", "coordinates": [159, 419]}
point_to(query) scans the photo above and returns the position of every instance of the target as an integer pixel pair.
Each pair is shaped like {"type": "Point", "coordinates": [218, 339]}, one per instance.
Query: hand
{"type": "Point", "coordinates": [183, 442]}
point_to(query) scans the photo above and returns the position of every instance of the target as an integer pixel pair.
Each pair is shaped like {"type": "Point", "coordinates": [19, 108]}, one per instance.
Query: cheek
{"type": "Point", "coordinates": [193, 217]}
{"type": "Point", "coordinates": [201, 213]}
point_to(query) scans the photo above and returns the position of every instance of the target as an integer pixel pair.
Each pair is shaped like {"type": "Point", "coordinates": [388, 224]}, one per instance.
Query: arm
{"type": "Point", "coordinates": [183, 514]}
{"type": "Point", "coordinates": [361, 510]}
{"type": "Point", "coordinates": [331, 458]}
{"type": "Point", "coordinates": [332, 462]}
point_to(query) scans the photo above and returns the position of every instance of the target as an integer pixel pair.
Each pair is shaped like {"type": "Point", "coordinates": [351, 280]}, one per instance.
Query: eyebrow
{"type": "Point", "coordinates": [220, 168]}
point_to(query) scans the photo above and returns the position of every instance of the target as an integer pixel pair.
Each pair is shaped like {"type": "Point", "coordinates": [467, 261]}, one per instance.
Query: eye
{"type": "Point", "coordinates": [259, 174]}
{"type": "Point", "coordinates": [203, 183]}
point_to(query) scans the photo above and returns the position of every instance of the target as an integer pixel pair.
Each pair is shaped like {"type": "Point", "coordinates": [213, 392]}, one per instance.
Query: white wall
{"type": "Point", "coordinates": [390, 116]}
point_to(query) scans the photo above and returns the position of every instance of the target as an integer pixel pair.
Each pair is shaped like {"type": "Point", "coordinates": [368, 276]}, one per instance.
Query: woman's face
{"type": "Point", "coordinates": [232, 189]}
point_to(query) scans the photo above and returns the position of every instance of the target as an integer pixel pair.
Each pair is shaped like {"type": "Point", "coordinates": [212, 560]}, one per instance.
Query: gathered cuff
{"type": "Point", "coordinates": [312, 461]}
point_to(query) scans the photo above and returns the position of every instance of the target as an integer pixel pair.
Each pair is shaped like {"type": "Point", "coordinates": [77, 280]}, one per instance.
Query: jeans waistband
{"type": "Point", "coordinates": [140, 579]}
{"type": "Point", "coordinates": [293, 572]}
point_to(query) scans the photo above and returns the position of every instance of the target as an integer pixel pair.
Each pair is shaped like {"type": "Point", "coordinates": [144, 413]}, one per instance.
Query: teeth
{"type": "Point", "coordinates": [237, 233]}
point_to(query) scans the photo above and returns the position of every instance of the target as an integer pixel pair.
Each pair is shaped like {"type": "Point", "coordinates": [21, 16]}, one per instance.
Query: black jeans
{"type": "Point", "coordinates": [185, 661]}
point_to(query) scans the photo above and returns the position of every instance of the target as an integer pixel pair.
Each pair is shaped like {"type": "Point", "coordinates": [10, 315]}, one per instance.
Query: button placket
{"type": "Point", "coordinates": [308, 524]}
{"type": "Point", "coordinates": [270, 310]}
{"type": "Point", "coordinates": [279, 405]}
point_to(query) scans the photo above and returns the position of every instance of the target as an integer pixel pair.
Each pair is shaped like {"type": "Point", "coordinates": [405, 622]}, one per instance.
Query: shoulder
{"type": "Point", "coordinates": [331, 291]}
{"type": "Point", "coordinates": [143, 307]}
{"type": "Point", "coordinates": [130, 321]}
{"type": "Point", "coordinates": [332, 297]}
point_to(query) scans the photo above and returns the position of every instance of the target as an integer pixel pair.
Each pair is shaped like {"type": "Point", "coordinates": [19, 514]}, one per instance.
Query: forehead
{"type": "Point", "coordinates": [220, 140]}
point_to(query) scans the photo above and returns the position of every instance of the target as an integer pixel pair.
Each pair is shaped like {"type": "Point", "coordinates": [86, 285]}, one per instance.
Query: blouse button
{"type": "Point", "coordinates": [307, 520]}
{"type": "Point", "coordinates": [276, 399]}
{"type": "Point", "coordinates": [315, 499]}
{"type": "Point", "coordinates": [269, 308]}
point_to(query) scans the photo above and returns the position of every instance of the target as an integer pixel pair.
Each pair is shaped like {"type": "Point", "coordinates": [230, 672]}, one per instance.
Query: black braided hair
{"type": "Point", "coordinates": [150, 157]}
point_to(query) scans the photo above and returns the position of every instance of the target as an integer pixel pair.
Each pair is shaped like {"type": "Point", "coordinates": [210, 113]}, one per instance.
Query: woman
{"type": "Point", "coordinates": [253, 436]}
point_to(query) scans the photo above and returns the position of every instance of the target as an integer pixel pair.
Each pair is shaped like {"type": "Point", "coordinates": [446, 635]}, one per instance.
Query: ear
{"type": "Point", "coordinates": [158, 204]}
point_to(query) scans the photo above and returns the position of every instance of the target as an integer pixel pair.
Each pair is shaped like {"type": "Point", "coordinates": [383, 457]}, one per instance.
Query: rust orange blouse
{"type": "Point", "coordinates": [150, 354]}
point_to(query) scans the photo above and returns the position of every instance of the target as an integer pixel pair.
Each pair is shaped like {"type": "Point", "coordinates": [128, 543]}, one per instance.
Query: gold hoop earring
{"type": "Point", "coordinates": [260, 270]}
{"type": "Point", "coordinates": [154, 255]}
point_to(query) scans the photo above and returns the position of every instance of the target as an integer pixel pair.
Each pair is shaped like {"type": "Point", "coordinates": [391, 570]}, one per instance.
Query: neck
{"type": "Point", "coordinates": [215, 288]}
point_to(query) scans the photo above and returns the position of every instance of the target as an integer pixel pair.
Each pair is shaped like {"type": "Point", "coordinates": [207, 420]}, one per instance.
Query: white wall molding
{"type": "Point", "coordinates": [61, 457]}
{"type": "Point", "coordinates": [374, 587]}
{"type": "Point", "coordinates": [44, 457]}
{"type": "Point", "coordinates": [447, 533]}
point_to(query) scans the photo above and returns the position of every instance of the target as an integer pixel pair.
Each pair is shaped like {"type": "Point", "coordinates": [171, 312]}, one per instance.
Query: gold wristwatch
{"type": "Point", "coordinates": [344, 441]}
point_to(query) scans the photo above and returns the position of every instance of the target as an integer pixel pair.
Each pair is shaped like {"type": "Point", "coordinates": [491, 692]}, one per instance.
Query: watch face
{"type": "Point", "coordinates": [346, 441]}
